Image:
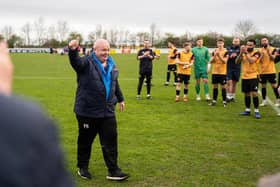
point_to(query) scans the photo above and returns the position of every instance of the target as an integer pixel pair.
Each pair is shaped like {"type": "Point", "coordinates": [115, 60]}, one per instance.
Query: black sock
{"type": "Point", "coordinates": [177, 92]}
{"type": "Point", "coordinates": [215, 94]}
{"type": "Point", "coordinates": [148, 88]}
{"type": "Point", "coordinates": [247, 101]}
{"type": "Point", "coordinates": [175, 76]}
{"type": "Point", "coordinates": [186, 91]}
{"type": "Point", "coordinates": [224, 94]}
{"type": "Point", "coordinates": [263, 93]}
{"type": "Point", "coordinates": [168, 77]}
{"type": "Point", "coordinates": [256, 102]}
{"type": "Point", "coordinates": [276, 93]}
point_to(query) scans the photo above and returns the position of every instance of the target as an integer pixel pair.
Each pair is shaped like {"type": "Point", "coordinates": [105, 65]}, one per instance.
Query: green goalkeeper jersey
{"type": "Point", "coordinates": [201, 58]}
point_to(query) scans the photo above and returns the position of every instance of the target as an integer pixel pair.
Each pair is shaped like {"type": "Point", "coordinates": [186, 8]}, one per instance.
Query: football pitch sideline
{"type": "Point", "coordinates": [161, 142]}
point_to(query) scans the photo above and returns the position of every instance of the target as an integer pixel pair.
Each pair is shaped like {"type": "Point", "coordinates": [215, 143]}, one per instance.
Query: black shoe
{"type": "Point", "coordinates": [84, 173]}
{"type": "Point", "coordinates": [117, 175]}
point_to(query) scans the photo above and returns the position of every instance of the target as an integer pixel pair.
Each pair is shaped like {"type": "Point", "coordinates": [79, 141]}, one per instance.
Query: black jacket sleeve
{"type": "Point", "coordinates": [76, 61]}
{"type": "Point", "coordinates": [153, 54]}
{"type": "Point", "coordinates": [139, 53]}
{"type": "Point", "coordinates": [119, 93]}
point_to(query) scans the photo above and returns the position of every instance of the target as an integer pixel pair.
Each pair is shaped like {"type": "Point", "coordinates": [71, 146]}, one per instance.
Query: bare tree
{"type": "Point", "coordinates": [157, 37]}
{"type": "Point", "coordinates": [7, 32]}
{"type": "Point", "coordinates": [51, 35]}
{"type": "Point", "coordinates": [132, 39]}
{"type": "Point", "coordinates": [26, 29]}
{"type": "Point", "coordinates": [98, 31]}
{"type": "Point", "coordinates": [105, 35]}
{"type": "Point", "coordinates": [126, 35]}
{"type": "Point", "coordinates": [113, 36]}
{"type": "Point", "coordinates": [39, 26]}
{"type": "Point", "coordinates": [152, 32]}
{"type": "Point", "coordinates": [142, 36]}
{"type": "Point", "coordinates": [121, 36]}
{"type": "Point", "coordinates": [245, 28]}
{"type": "Point", "coordinates": [62, 29]}
{"type": "Point", "coordinates": [75, 35]}
{"type": "Point", "coordinates": [91, 37]}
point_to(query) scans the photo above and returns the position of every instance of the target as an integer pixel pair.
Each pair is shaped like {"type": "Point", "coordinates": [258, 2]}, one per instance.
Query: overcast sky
{"type": "Point", "coordinates": [197, 16]}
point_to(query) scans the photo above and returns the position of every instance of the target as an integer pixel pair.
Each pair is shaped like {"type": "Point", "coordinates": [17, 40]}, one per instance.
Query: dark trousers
{"type": "Point", "coordinates": [142, 77]}
{"type": "Point", "coordinates": [106, 128]}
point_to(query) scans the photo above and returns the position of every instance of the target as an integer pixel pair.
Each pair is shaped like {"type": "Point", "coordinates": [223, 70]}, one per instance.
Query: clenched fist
{"type": "Point", "coordinates": [74, 44]}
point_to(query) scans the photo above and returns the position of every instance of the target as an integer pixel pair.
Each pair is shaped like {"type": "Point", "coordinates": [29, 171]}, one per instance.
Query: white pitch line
{"type": "Point", "coordinates": [271, 103]}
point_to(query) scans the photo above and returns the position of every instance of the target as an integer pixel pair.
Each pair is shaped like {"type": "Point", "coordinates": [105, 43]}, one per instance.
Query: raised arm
{"type": "Point", "coordinates": [76, 61]}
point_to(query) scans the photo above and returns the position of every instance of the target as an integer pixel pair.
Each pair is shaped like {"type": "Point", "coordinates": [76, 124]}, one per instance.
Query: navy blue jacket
{"type": "Point", "coordinates": [30, 152]}
{"type": "Point", "coordinates": [91, 94]}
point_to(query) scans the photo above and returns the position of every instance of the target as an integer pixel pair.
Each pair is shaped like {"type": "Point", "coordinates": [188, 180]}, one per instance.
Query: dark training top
{"type": "Point", "coordinates": [30, 152]}
{"type": "Point", "coordinates": [146, 63]}
{"type": "Point", "coordinates": [231, 61]}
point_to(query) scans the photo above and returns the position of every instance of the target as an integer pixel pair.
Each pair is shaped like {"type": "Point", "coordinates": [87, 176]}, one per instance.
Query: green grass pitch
{"type": "Point", "coordinates": [161, 143]}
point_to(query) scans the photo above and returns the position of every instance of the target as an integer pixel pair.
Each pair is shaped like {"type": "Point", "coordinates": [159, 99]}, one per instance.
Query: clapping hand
{"type": "Point", "coordinates": [243, 49]}
{"type": "Point", "coordinates": [147, 53]}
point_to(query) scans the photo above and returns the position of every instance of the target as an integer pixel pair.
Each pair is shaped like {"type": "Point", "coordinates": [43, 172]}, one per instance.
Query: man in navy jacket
{"type": "Point", "coordinates": [97, 93]}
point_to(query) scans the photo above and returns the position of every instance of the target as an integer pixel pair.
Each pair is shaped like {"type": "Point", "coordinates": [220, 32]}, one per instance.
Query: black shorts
{"type": "Point", "coordinates": [171, 67]}
{"type": "Point", "coordinates": [219, 79]}
{"type": "Point", "coordinates": [233, 74]}
{"type": "Point", "coordinates": [271, 78]}
{"type": "Point", "coordinates": [250, 85]}
{"type": "Point", "coordinates": [183, 78]}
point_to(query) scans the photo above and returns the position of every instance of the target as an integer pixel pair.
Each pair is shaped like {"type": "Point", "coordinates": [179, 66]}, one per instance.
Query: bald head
{"type": "Point", "coordinates": [100, 42]}
{"type": "Point", "coordinates": [101, 49]}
